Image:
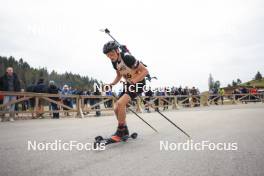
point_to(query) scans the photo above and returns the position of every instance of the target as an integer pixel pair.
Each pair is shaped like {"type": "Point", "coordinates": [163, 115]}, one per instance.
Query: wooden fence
{"type": "Point", "coordinates": [38, 104]}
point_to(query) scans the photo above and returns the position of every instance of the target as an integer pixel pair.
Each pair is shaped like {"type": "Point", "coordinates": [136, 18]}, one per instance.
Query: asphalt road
{"type": "Point", "coordinates": [240, 125]}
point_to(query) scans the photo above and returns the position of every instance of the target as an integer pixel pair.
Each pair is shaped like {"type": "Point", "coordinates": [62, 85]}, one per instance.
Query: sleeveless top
{"type": "Point", "coordinates": [126, 65]}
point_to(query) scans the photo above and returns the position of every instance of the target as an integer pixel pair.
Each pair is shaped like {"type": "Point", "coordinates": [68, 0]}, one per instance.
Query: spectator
{"type": "Point", "coordinates": [1, 99]}
{"type": "Point", "coordinates": [180, 93]}
{"type": "Point", "coordinates": [195, 97]}
{"type": "Point", "coordinates": [176, 91]}
{"type": "Point", "coordinates": [97, 100]}
{"type": "Point", "coordinates": [40, 88]}
{"type": "Point", "coordinates": [72, 92]}
{"type": "Point", "coordinates": [10, 82]}
{"type": "Point", "coordinates": [216, 98]}
{"type": "Point", "coordinates": [66, 100]}
{"type": "Point", "coordinates": [31, 101]}
{"type": "Point", "coordinates": [24, 104]}
{"type": "Point", "coordinates": [1, 102]}
{"type": "Point", "coordinates": [109, 103]}
{"type": "Point", "coordinates": [193, 91]}
{"type": "Point", "coordinates": [180, 90]}
{"type": "Point", "coordinates": [53, 89]}
{"type": "Point", "coordinates": [86, 101]}
{"type": "Point", "coordinates": [156, 102]}
{"type": "Point", "coordinates": [166, 93]}
{"type": "Point", "coordinates": [244, 90]}
{"type": "Point", "coordinates": [186, 94]}
{"type": "Point", "coordinates": [236, 92]}
{"type": "Point", "coordinates": [253, 91]}
{"type": "Point", "coordinates": [149, 94]}
{"type": "Point", "coordinates": [222, 93]}
{"type": "Point", "coordinates": [253, 94]}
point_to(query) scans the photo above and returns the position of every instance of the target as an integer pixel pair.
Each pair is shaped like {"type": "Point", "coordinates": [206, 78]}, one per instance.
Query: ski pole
{"type": "Point", "coordinates": [143, 120]}
{"type": "Point", "coordinates": [170, 121]}
{"type": "Point", "coordinates": [122, 47]}
{"type": "Point", "coordinates": [174, 124]}
{"type": "Point", "coordinates": [140, 117]}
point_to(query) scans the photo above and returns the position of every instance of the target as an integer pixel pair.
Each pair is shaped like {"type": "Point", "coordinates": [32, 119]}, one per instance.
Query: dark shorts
{"type": "Point", "coordinates": [132, 90]}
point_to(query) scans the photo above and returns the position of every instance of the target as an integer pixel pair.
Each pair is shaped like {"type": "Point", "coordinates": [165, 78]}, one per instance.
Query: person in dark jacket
{"type": "Point", "coordinates": [10, 82]}
{"type": "Point", "coordinates": [1, 102]}
{"type": "Point", "coordinates": [53, 89]}
{"type": "Point", "coordinates": [97, 93]}
{"type": "Point", "coordinates": [31, 101]}
{"type": "Point", "coordinates": [1, 99]}
{"type": "Point", "coordinates": [41, 87]}
{"type": "Point", "coordinates": [149, 94]}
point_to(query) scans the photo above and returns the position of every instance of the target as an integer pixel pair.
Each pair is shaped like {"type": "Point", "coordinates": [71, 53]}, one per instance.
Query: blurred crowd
{"type": "Point", "coordinates": [172, 91]}
{"type": "Point", "coordinates": [10, 82]}
{"type": "Point", "coordinates": [245, 94]}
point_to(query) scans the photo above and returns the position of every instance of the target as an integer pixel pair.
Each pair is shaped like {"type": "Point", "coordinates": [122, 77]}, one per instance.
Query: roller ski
{"type": "Point", "coordinates": [121, 135]}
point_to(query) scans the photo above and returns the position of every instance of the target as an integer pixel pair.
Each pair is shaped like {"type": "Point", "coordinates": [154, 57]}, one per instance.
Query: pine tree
{"type": "Point", "coordinates": [239, 81]}
{"type": "Point", "coordinates": [258, 76]}
{"type": "Point", "coordinates": [217, 85]}
{"type": "Point", "coordinates": [29, 75]}
{"type": "Point", "coordinates": [210, 82]}
{"type": "Point", "coordinates": [234, 83]}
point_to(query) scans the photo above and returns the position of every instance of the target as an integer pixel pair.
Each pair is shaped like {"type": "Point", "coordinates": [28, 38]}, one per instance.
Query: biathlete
{"type": "Point", "coordinates": [134, 73]}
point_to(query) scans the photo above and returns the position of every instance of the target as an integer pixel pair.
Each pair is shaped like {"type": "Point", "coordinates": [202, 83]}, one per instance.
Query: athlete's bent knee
{"type": "Point", "coordinates": [120, 106]}
{"type": "Point", "coordinates": [116, 107]}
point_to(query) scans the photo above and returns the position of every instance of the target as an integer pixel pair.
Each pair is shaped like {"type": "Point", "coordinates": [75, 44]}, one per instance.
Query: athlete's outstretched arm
{"type": "Point", "coordinates": [117, 78]}
{"type": "Point", "coordinates": [142, 73]}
